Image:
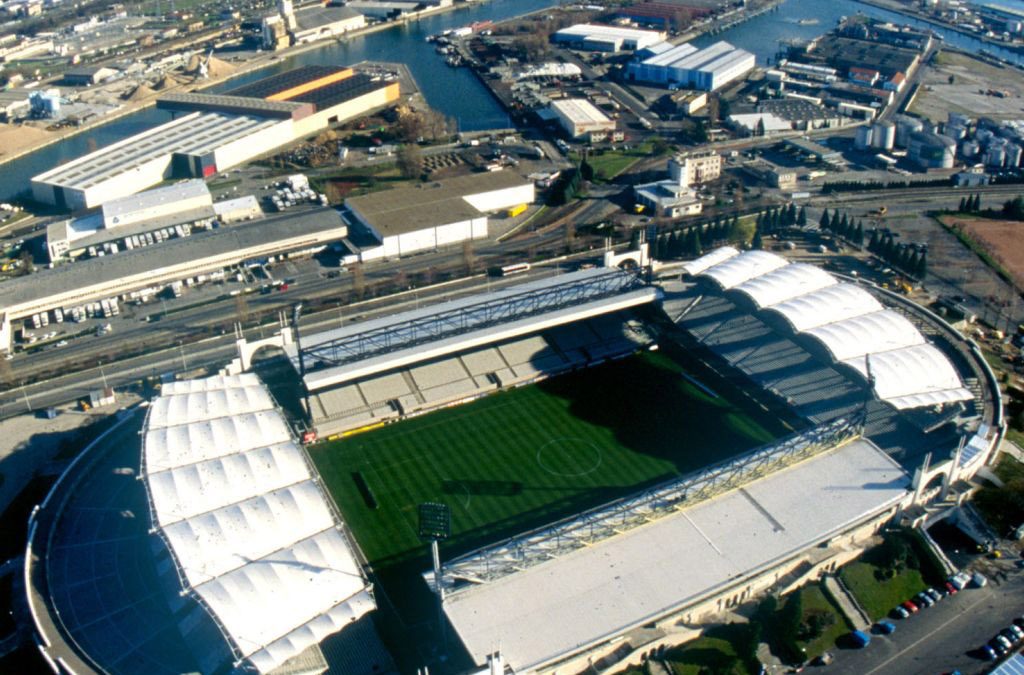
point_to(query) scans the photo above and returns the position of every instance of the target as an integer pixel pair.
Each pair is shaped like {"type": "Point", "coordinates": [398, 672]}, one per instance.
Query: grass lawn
{"type": "Point", "coordinates": [814, 600]}
{"type": "Point", "coordinates": [1003, 507]}
{"type": "Point", "coordinates": [879, 597]}
{"type": "Point", "coordinates": [523, 458]}
{"type": "Point", "coordinates": [714, 652]}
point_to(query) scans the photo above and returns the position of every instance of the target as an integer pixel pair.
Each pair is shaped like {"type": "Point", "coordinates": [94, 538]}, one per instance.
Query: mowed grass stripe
{"type": "Point", "coordinates": [600, 433]}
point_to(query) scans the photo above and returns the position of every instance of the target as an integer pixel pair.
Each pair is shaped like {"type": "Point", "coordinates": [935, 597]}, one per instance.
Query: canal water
{"type": "Point", "coordinates": [456, 91]}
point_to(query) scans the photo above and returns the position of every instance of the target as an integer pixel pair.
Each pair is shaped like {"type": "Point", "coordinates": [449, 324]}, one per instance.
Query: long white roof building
{"type": "Point", "coordinates": [686, 66]}
{"type": "Point", "coordinates": [883, 346]}
{"type": "Point", "coordinates": [251, 533]}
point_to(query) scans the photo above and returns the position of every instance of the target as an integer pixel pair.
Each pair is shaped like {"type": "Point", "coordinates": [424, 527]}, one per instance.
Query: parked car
{"type": "Point", "coordinates": [989, 653]}
{"type": "Point", "coordinates": [860, 639]}
{"type": "Point", "coordinates": [1013, 633]}
{"type": "Point", "coordinates": [1004, 641]}
{"type": "Point", "coordinates": [924, 599]}
{"type": "Point", "coordinates": [933, 594]}
{"type": "Point", "coordinates": [885, 627]}
{"type": "Point", "coordinates": [910, 606]}
{"type": "Point", "coordinates": [950, 589]}
{"type": "Point", "coordinates": [901, 611]}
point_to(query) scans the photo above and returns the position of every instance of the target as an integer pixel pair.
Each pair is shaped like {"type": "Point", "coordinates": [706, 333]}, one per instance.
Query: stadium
{"type": "Point", "coordinates": [622, 457]}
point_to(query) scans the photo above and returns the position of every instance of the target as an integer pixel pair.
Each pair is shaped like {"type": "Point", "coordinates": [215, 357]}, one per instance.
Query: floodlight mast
{"type": "Point", "coordinates": [435, 525]}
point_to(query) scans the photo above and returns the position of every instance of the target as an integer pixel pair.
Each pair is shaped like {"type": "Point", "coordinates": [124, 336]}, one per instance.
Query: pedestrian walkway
{"type": "Point", "coordinates": [848, 605]}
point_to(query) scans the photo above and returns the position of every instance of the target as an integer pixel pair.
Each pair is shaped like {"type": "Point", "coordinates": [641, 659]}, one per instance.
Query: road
{"type": "Point", "coordinates": [940, 639]}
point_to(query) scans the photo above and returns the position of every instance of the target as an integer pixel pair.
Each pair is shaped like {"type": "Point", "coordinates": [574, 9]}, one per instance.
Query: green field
{"type": "Point", "coordinates": [523, 458]}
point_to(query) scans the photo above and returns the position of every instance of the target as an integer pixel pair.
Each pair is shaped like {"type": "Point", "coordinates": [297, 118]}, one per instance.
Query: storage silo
{"type": "Point", "coordinates": [969, 149]}
{"type": "Point", "coordinates": [863, 139]}
{"type": "Point", "coordinates": [906, 126]}
{"type": "Point", "coordinates": [995, 156]}
{"type": "Point", "coordinates": [1013, 155]}
{"type": "Point", "coordinates": [883, 135]}
{"type": "Point", "coordinates": [931, 151]}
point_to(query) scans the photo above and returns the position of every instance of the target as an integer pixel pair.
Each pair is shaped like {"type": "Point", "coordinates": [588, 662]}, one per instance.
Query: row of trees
{"type": "Point", "coordinates": [912, 260]}
{"type": "Point", "coordinates": [692, 241]}
{"type": "Point", "coordinates": [842, 226]}
{"type": "Point", "coordinates": [776, 219]}
{"type": "Point", "coordinates": [970, 204]}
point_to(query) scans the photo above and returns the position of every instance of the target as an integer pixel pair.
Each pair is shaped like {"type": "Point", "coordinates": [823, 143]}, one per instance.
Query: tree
{"type": "Point", "coordinates": [963, 205]}
{"type": "Point", "coordinates": [358, 279]}
{"type": "Point", "coordinates": [844, 226]}
{"type": "Point", "coordinates": [801, 218]}
{"type": "Point", "coordinates": [586, 170]}
{"type": "Point", "coordinates": [757, 244]}
{"type": "Point", "coordinates": [834, 224]}
{"type": "Point", "coordinates": [858, 234]}
{"type": "Point", "coordinates": [409, 160]}
{"type": "Point", "coordinates": [976, 207]}
{"type": "Point", "coordinates": [1014, 209]}
{"type": "Point", "coordinates": [824, 221]}
{"type": "Point", "coordinates": [874, 242]}
{"type": "Point", "coordinates": [791, 215]}
{"type": "Point", "coordinates": [922, 266]}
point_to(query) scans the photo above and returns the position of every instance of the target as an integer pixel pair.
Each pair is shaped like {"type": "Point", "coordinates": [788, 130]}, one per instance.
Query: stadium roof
{"type": "Point", "coordinates": [250, 531]}
{"type": "Point", "coordinates": [719, 255]}
{"type": "Point", "coordinates": [569, 603]}
{"type": "Point", "coordinates": [867, 334]}
{"type": "Point", "coordinates": [785, 283]}
{"type": "Point", "coordinates": [906, 371]}
{"type": "Point", "coordinates": [912, 377]}
{"type": "Point", "coordinates": [419, 335]}
{"type": "Point", "coordinates": [828, 305]}
{"type": "Point", "coordinates": [745, 267]}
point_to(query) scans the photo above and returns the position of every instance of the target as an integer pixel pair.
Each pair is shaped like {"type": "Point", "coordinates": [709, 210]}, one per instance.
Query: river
{"type": "Point", "coordinates": [472, 106]}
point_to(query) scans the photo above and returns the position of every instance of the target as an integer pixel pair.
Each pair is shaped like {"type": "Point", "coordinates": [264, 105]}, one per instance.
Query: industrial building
{"type": "Point", "coordinates": [153, 266]}
{"type": "Point", "coordinates": [582, 119]}
{"type": "Point", "coordinates": [308, 24]}
{"type": "Point", "coordinates": [668, 199]}
{"type": "Point", "coordinates": [601, 38]}
{"type": "Point", "coordinates": [429, 216]}
{"type": "Point", "coordinates": [687, 67]}
{"type": "Point", "coordinates": [123, 220]}
{"type": "Point", "coordinates": [217, 132]}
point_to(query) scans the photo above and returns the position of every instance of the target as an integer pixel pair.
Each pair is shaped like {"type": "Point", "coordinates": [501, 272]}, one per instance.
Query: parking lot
{"type": "Point", "coordinates": [942, 638]}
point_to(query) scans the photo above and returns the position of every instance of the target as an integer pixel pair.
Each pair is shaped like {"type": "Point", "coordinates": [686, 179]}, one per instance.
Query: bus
{"type": "Point", "coordinates": [509, 270]}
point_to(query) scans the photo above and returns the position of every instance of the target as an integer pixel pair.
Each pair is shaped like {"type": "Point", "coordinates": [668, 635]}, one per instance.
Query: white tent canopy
{"type": "Point", "coordinates": [851, 323]}
{"type": "Point", "coordinates": [866, 334]}
{"type": "Point", "coordinates": [913, 376]}
{"type": "Point", "coordinates": [249, 529]}
{"type": "Point", "coordinates": [743, 267]}
{"type": "Point", "coordinates": [788, 281]}
{"type": "Point", "coordinates": [827, 305]}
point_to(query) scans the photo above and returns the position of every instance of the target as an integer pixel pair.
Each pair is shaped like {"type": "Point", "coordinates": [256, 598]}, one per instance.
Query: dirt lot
{"type": "Point", "coordinates": [1001, 239]}
{"type": "Point", "coordinates": [967, 94]}
{"type": "Point", "coordinates": [15, 138]}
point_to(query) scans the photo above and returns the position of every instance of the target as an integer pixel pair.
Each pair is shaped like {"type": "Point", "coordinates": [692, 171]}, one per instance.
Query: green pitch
{"type": "Point", "coordinates": [523, 458]}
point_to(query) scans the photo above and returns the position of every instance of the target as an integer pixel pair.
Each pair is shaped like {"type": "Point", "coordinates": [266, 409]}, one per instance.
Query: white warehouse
{"type": "Point", "coordinates": [600, 38]}
{"type": "Point", "coordinates": [432, 215]}
{"type": "Point", "coordinates": [579, 117]}
{"type": "Point", "coordinates": [685, 66]}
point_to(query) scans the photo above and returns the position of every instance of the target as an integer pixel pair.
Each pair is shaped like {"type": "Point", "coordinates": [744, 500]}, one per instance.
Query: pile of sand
{"type": "Point", "coordinates": [140, 93]}
{"type": "Point", "coordinates": [218, 68]}
{"type": "Point", "coordinates": [166, 82]}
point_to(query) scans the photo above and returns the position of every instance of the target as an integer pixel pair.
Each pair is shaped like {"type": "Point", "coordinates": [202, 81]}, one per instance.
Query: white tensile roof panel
{"type": "Point", "coordinates": [744, 267]}
{"type": "Point", "coordinates": [827, 305]}
{"type": "Point", "coordinates": [866, 334]}
{"type": "Point", "coordinates": [913, 376]}
{"type": "Point", "coordinates": [250, 530]}
{"type": "Point", "coordinates": [209, 384]}
{"type": "Point", "coordinates": [267, 599]}
{"type": "Point", "coordinates": [206, 405]}
{"type": "Point", "coordinates": [788, 281]}
{"type": "Point", "coordinates": [328, 623]}
{"type": "Point", "coordinates": [719, 255]}
{"type": "Point", "coordinates": [214, 543]}
{"type": "Point", "coordinates": [170, 447]}
{"type": "Point", "coordinates": [182, 493]}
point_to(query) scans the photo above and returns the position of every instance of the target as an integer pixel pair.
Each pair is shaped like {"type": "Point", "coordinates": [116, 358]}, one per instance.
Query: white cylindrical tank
{"type": "Point", "coordinates": [906, 126]}
{"type": "Point", "coordinates": [995, 157]}
{"type": "Point", "coordinates": [969, 149]}
{"type": "Point", "coordinates": [863, 139]}
{"type": "Point", "coordinates": [1013, 155]}
{"type": "Point", "coordinates": [958, 119]}
{"type": "Point", "coordinates": [931, 151]}
{"type": "Point", "coordinates": [955, 131]}
{"type": "Point", "coordinates": [883, 135]}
